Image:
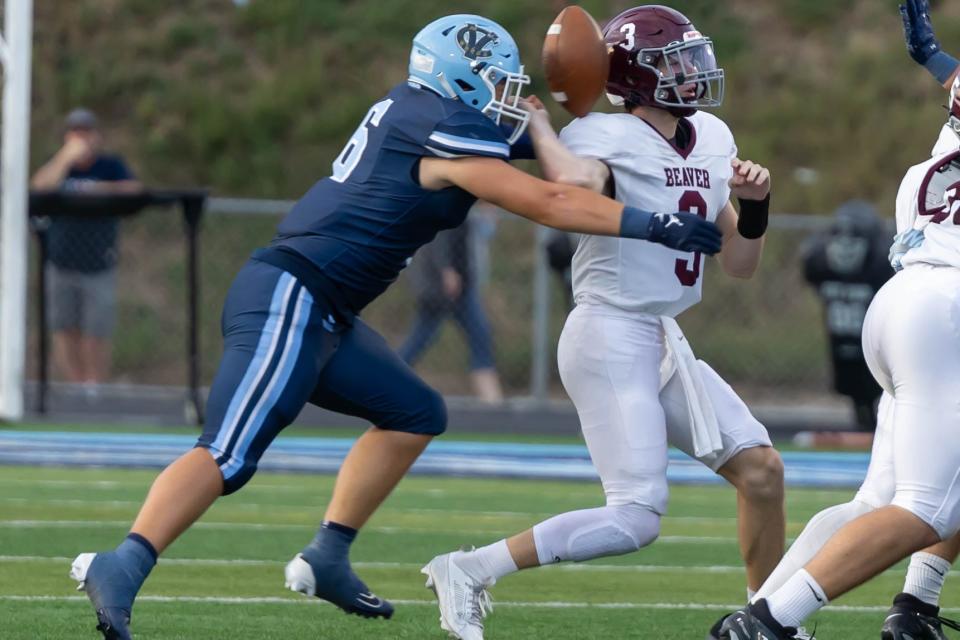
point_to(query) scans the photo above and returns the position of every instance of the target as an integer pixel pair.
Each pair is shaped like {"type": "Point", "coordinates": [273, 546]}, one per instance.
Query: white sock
{"type": "Point", "coordinates": [925, 577]}
{"type": "Point", "coordinates": [797, 600]}
{"type": "Point", "coordinates": [820, 529]}
{"type": "Point", "coordinates": [489, 563]}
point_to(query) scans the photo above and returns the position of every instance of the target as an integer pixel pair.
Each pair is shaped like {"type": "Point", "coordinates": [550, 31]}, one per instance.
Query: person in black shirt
{"type": "Point", "coordinates": [82, 252]}
{"type": "Point", "coordinates": [847, 266]}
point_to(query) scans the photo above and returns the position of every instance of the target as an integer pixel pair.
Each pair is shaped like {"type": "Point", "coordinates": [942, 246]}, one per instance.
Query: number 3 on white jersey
{"type": "Point", "coordinates": [349, 158]}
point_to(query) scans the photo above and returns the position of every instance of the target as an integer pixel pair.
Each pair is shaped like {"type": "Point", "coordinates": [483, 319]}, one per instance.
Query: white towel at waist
{"type": "Point", "coordinates": [679, 359]}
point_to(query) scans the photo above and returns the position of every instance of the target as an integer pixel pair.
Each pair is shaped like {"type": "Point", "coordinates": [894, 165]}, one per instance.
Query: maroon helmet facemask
{"type": "Point", "coordinates": [659, 59]}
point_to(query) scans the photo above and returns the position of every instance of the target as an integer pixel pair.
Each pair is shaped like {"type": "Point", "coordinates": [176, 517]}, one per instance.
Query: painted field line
{"type": "Point", "coordinates": [260, 526]}
{"type": "Point", "coordinates": [668, 606]}
{"type": "Point", "coordinates": [222, 562]}
{"type": "Point", "coordinates": [383, 510]}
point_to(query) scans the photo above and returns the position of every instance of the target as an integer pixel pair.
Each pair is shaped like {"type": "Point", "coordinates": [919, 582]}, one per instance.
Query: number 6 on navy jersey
{"type": "Point", "coordinates": [349, 158]}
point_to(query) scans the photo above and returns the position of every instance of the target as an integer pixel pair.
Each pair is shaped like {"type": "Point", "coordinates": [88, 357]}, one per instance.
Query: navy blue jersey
{"type": "Point", "coordinates": [360, 227]}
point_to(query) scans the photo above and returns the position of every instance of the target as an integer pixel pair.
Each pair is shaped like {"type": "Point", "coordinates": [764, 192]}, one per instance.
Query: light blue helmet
{"type": "Point", "coordinates": [466, 57]}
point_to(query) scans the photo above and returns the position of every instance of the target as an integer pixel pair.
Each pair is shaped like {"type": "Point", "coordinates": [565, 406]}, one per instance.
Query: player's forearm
{"type": "Point", "coordinates": [566, 207]}
{"type": "Point", "coordinates": [559, 164]}
{"type": "Point", "coordinates": [577, 209]}
{"type": "Point", "coordinates": [740, 257]}
{"type": "Point", "coordinates": [743, 238]}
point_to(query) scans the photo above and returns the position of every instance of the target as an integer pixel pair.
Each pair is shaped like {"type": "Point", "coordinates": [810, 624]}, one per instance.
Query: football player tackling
{"type": "Point", "coordinates": [911, 338]}
{"type": "Point", "coordinates": [622, 359]}
{"type": "Point", "coordinates": [418, 161]}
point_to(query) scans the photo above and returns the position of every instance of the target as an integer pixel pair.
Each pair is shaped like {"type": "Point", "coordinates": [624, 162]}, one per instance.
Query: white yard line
{"type": "Point", "coordinates": [202, 562]}
{"type": "Point", "coordinates": [386, 509]}
{"type": "Point", "coordinates": [261, 526]}
{"type": "Point", "coordinates": [670, 606]}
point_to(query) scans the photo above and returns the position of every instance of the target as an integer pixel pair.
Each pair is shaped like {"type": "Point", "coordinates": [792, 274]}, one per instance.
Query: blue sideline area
{"type": "Point", "coordinates": [473, 459]}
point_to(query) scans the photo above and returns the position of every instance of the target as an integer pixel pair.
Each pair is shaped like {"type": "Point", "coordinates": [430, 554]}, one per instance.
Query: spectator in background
{"type": "Point", "coordinates": [483, 220]}
{"type": "Point", "coordinates": [444, 283]}
{"type": "Point", "coordinates": [847, 266]}
{"type": "Point", "coordinates": [560, 247]}
{"type": "Point", "coordinates": [82, 252]}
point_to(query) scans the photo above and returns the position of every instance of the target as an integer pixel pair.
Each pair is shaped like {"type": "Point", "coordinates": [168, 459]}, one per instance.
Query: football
{"type": "Point", "coordinates": [575, 60]}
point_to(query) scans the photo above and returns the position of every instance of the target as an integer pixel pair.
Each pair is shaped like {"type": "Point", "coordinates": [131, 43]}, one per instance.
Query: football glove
{"type": "Point", "coordinates": [922, 44]}
{"type": "Point", "coordinates": [681, 230]}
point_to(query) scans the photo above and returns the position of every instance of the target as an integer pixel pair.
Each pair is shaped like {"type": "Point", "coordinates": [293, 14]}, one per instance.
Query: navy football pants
{"type": "Point", "coordinates": [281, 350]}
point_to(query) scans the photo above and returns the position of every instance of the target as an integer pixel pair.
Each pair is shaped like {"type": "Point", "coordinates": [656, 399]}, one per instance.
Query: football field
{"type": "Point", "coordinates": [224, 578]}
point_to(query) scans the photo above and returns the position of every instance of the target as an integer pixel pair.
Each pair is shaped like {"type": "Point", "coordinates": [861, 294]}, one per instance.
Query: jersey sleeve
{"type": "Point", "coordinates": [463, 134]}
{"type": "Point", "coordinates": [593, 136]}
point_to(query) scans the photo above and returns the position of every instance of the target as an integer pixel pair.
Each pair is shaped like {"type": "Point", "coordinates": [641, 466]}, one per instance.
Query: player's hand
{"type": "Point", "coordinates": [685, 232]}
{"type": "Point", "coordinates": [750, 181]}
{"type": "Point", "coordinates": [539, 116]}
{"type": "Point", "coordinates": [918, 30]}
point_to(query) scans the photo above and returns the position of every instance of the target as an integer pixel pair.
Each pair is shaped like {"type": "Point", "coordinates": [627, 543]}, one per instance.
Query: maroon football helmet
{"type": "Point", "coordinates": [659, 59]}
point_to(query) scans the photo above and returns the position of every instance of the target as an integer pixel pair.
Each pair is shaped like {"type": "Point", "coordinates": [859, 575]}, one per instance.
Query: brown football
{"type": "Point", "coordinates": [575, 60]}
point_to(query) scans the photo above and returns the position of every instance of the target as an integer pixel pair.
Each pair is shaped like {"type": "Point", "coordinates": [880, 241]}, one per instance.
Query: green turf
{"type": "Point", "coordinates": [47, 515]}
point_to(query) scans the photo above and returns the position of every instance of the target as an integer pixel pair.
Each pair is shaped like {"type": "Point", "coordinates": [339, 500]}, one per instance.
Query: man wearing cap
{"type": "Point", "coordinates": [82, 253]}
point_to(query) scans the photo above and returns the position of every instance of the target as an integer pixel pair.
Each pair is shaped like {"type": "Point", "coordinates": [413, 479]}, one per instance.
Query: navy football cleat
{"type": "Point", "coordinates": [111, 590]}
{"type": "Point", "coordinates": [335, 582]}
{"type": "Point", "coordinates": [755, 623]}
{"type": "Point", "coordinates": [913, 619]}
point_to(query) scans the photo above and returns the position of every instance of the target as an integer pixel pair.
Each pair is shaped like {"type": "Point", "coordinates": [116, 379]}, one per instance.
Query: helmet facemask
{"type": "Point", "coordinates": [679, 65]}
{"type": "Point", "coordinates": [506, 89]}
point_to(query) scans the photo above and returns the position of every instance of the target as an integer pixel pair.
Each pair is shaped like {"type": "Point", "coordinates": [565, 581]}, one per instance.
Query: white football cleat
{"type": "Point", "coordinates": [464, 601]}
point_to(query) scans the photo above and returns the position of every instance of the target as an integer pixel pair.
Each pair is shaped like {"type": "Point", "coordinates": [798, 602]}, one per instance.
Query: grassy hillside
{"type": "Point", "coordinates": [256, 101]}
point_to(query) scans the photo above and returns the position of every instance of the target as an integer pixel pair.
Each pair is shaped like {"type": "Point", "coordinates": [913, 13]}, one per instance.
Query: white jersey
{"type": "Point", "coordinates": [649, 173]}
{"type": "Point", "coordinates": [940, 245]}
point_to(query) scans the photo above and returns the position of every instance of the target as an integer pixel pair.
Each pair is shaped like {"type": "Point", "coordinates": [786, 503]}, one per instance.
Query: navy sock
{"type": "Point", "coordinates": [332, 542]}
{"type": "Point", "coordinates": [136, 537]}
{"type": "Point", "coordinates": [138, 555]}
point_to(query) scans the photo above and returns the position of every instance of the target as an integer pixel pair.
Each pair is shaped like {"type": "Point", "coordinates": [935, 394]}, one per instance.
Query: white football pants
{"type": "Point", "coordinates": [609, 362]}
{"type": "Point", "coordinates": [911, 341]}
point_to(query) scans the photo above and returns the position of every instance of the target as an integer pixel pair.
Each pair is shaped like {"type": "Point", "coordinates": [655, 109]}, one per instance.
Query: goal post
{"type": "Point", "coordinates": [15, 56]}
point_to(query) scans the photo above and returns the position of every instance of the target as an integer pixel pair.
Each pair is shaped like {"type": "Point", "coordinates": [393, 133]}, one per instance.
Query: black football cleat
{"type": "Point", "coordinates": [755, 623]}
{"type": "Point", "coordinates": [714, 633]}
{"type": "Point", "coordinates": [913, 619]}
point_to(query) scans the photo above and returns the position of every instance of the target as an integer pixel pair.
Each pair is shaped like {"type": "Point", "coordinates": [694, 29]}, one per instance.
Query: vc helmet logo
{"type": "Point", "coordinates": [474, 40]}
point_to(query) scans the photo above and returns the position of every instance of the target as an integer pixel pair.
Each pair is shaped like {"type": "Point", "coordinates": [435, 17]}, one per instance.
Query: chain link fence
{"type": "Point", "coordinates": [765, 336]}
